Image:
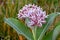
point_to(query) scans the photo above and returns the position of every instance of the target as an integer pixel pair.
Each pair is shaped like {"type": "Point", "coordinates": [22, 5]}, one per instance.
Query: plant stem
{"type": "Point", "coordinates": [34, 33]}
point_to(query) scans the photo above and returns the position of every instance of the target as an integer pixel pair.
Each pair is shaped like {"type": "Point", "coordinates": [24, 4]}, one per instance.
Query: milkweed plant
{"type": "Point", "coordinates": [35, 23]}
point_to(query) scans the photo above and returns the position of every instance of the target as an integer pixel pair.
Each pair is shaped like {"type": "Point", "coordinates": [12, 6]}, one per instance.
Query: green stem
{"type": "Point", "coordinates": [34, 33]}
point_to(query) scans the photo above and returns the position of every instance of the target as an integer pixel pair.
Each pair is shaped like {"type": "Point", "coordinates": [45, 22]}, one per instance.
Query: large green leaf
{"type": "Point", "coordinates": [49, 22]}
{"type": "Point", "coordinates": [19, 27]}
{"type": "Point", "coordinates": [56, 32]}
{"type": "Point", "coordinates": [48, 36]}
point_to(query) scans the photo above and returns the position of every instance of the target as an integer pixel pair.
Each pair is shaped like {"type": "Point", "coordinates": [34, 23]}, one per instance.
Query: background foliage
{"type": "Point", "coordinates": [9, 8]}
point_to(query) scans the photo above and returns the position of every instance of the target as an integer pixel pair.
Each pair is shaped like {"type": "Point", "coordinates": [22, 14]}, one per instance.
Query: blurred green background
{"type": "Point", "coordinates": [10, 8]}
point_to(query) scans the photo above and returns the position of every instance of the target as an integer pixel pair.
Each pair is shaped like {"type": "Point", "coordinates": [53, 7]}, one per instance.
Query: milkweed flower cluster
{"type": "Point", "coordinates": [34, 13]}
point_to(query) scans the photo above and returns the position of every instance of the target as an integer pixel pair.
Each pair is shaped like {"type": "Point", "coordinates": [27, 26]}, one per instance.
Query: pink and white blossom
{"type": "Point", "coordinates": [34, 13]}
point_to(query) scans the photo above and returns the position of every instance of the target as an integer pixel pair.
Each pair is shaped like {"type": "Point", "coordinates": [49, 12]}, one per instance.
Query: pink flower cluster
{"type": "Point", "coordinates": [35, 14]}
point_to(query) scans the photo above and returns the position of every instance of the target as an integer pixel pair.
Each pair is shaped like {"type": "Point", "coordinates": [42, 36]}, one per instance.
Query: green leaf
{"type": "Point", "coordinates": [3, 10]}
{"type": "Point", "coordinates": [50, 21]}
{"type": "Point", "coordinates": [56, 32]}
{"type": "Point", "coordinates": [48, 36]}
{"type": "Point", "coordinates": [34, 1]}
{"type": "Point", "coordinates": [49, 1]}
{"type": "Point", "coordinates": [55, 3]}
{"type": "Point", "coordinates": [19, 27]}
